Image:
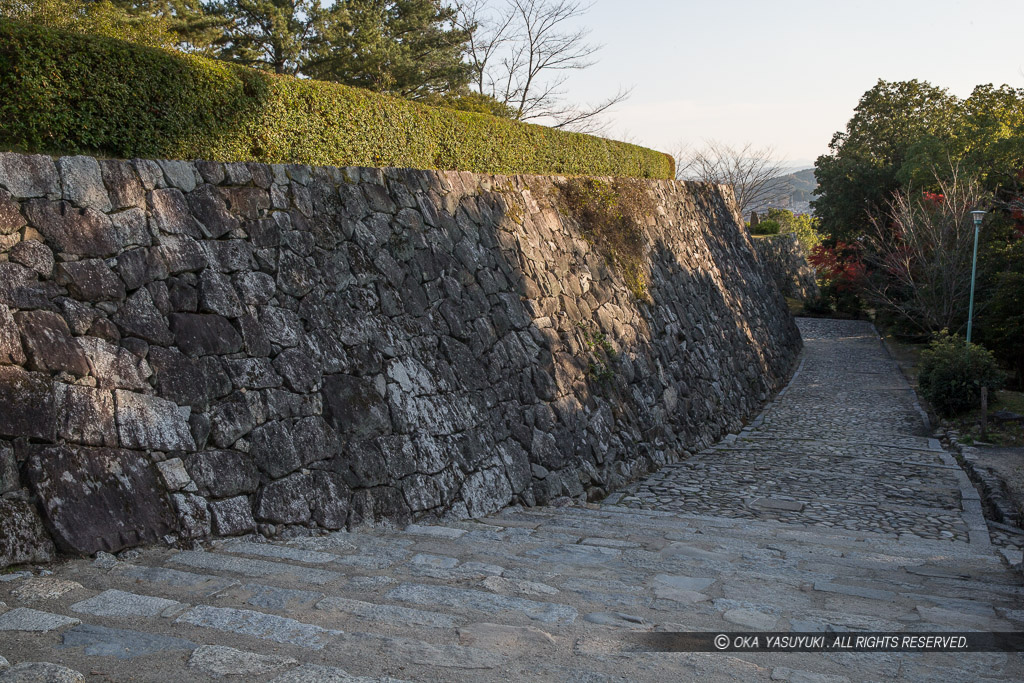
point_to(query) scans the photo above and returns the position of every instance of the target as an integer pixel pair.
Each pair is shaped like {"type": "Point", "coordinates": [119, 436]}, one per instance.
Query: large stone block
{"type": "Point", "coordinates": [210, 209]}
{"type": "Point", "coordinates": [49, 343]}
{"type": "Point", "coordinates": [281, 447]}
{"type": "Point", "coordinates": [330, 500]}
{"type": "Point", "coordinates": [95, 499]}
{"type": "Point", "coordinates": [29, 175]}
{"type": "Point", "coordinates": [10, 479]}
{"type": "Point", "coordinates": [90, 280]}
{"type": "Point", "coordinates": [281, 326]}
{"type": "Point", "coordinates": [82, 182]}
{"type": "Point", "coordinates": [188, 381]}
{"type": "Point", "coordinates": [152, 423]}
{"type": "Point", "coordinates": [298, 369]}
{"type": "Point", "coordinates": [29, 406]}
{"type": "Point", "coordinates": [193, 515]}
{"type": "Point", "coordinates": [232, 517]}
{"type": "Point", "coordinates": [383, 503]}
{"type": "Point", "coordinates": [139, 317]}
{"type": "Point", "coordinates": [202, 334]}
{"type": "Point", "coordinates": [252, 373]}
{"type": "Point", "coordinates": [223, 474]}
{"type": "Point", "coordinates": [352, 405]}
{"type": "Point", "coordinates": [235, 416]}
{"type": "Point", "coordinates": [296, 275]}
{"type": "Point", "coordinates": [123, 186]}
{"type": "Point", "coordinates": [11, 352]}
{"type": "Point", "coordinates": [285, 501]}
{"type": "Point", "coordinates": [217, 295]}
{"type": "Point", "coordinates": [179, 174]}
{"type": "Point", "coordinates": [85, 415]}
{"type": "Point", "coordinates": [77, 232]}
{"type": "Point", "coordinates": [486, 491]}
{"type": "Point", "coordinates": [11, 220]}
{"type": "Point", "coordinates": [114, 367]}
{"type": "Point", "coordinates": [34, 255]}
{"type": "Point", "coordinates": [170, 213]}
{"type": "Point", "coordinates": [22, 536]}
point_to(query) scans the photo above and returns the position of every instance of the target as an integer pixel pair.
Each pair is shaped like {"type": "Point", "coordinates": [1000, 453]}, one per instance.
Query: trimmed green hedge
{"type": "Point", "coordinates": [73, 93]}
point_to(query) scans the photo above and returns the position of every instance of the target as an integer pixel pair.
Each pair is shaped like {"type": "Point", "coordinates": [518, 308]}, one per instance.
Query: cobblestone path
{"type": "Point", "coordinates": [832, 511]}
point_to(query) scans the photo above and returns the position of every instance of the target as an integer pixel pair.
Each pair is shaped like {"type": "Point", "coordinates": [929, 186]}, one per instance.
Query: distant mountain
{"type": "Point", "coordinates": [795, 192]}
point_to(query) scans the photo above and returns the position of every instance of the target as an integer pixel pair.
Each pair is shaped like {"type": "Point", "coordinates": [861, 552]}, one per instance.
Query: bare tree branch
{"type": "Point", "coordinates": [521, 52]}
{"type": "Point", "coordinates": [752, 171]}
{"type": "Point", "coordinates": [921, 250]}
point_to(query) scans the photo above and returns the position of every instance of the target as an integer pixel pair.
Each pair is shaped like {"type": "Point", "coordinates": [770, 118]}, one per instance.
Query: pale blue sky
{"type": "Point", "coordinates": [785, 73]}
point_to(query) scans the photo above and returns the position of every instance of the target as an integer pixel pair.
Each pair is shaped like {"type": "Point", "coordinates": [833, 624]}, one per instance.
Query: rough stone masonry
{"type": "Point", "coordinates": [190, 349]}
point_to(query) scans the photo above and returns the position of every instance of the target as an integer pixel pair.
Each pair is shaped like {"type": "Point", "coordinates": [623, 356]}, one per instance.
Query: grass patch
{"type": "Point", "coordinates": [1006, 434]}
{"type": "Point", "coordinates": [610, 216]}
{"type": "Point", "coordinates": [908, 355]}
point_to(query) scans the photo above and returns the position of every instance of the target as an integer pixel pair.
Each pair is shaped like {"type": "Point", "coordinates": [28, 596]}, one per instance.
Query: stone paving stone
{"type": "Point", "coordinates": [120, 643]}
{"type": "Point", "coordinates": [202, 584]}
{"type": "Point", "coordinates": [278, 552]}
{"type": "Point", "coordinates": [389, 614]}
{"type": "Point", "coordinates": [117, 603]}
{"type": "Point", "coordinates": [856, 591]}
{"type": "Point", "coordinates": [502, 637]}
{"type": "Point", "coordinates": [421, 594]}
{"type": "Point", "coordinates": [259, 625]}
{"type": "Point", "coordinates": [500, 584]}
{"type": "Point", "coordinates": [412, 651]}
{"type": "Point", "coordinates": [781, 673]}
{"type": "Point", "coordinates": [44, 588]}
{"type": "Point", "coordinates": [219, 661]}
{"type": "Point", "coordinates": [617, 619]}
{"type": "Point", "coordinates": [685, 583]}
{"type": "Point", "coordinates": [436, 531]}
{"type": "Point", "coordinates": [313, 673]}
{"type": "Point", "coordinates": [435, 561]}
{"type": "Point", "coordinates": [27, 619]}
{"type": "Point", "coordinates": [751, 619]}
{"type": "Point", "coordinates": [272, 597]}
{"type": "Point", "coordinates": [40, 672]}
{"type": "Point", "coordinates": [252, 568]}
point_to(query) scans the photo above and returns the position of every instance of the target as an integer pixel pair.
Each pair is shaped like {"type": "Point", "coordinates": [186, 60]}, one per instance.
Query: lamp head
{"type": "Point", "coordinates": [978, 214]}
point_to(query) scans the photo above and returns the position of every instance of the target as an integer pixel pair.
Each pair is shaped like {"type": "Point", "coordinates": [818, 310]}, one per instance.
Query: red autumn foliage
{"type": "Point", "coordinates": [840, 265]}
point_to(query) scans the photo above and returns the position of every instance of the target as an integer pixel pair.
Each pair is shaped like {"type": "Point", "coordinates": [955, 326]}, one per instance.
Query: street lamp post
{"type": "Point", "coordinates": [974, 269]}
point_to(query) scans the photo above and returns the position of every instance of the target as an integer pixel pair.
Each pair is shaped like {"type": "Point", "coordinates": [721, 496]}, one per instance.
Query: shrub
{"type": "Point", "coordinates": [804, 225]}
{"type": "Point", "coordinates": [74, 93]}
{"type": "Point", "coordinates": [766, 226]}
{"type": "Point", "coordinates": [953, 373]}
{"type": "Point", "coordinates": [610, 216]}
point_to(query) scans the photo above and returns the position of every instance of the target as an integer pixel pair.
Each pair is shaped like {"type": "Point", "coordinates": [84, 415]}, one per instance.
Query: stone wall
{"type": "Point", "coordinates": [190, 349]}
{"type": "Point", "coordinates": [786, 262]}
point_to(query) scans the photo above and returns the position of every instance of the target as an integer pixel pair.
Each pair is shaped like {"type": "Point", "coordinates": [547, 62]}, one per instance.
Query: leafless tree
{"type": "Point", "coordinates": [920, 253]}
{"type": "Point", "coordinates": [753, 172]}
{"type": "Point", "coordinates": [522, 51]}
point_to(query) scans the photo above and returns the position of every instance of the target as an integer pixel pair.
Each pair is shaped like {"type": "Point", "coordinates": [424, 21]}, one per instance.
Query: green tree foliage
{"type": "Point", "coordinates": [404, 47]}
{"type": "Point", "coordinates": [275, 35]}
{"type": "Point", "coordinates": [860, 174]}
{"type": "Point", "coordinates": [999, 321]}
{"type": "Point", "coordinates": [180, 24]}
{"type": "Point", "coordinates": [804, 225]}
{"type": "Point", "coordinates": [901, 133]}
{"type": "Point", "coordinates": [953, 373]}
{"type": "Point", "coordinates": [766, 226]}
